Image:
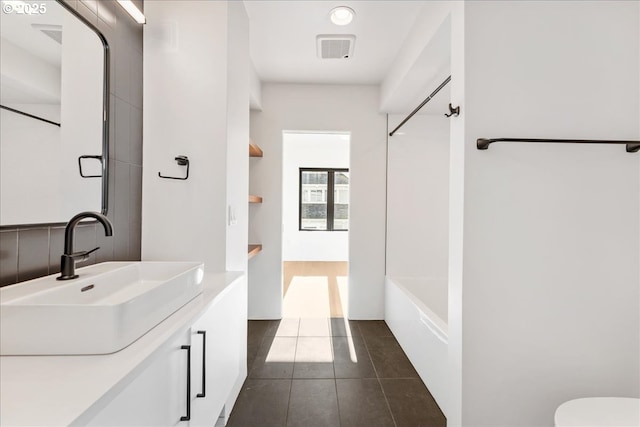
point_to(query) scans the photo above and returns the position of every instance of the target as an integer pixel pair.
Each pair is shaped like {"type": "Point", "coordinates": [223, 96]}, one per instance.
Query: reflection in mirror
{"type": "Point", "coordinates": [53, 123]}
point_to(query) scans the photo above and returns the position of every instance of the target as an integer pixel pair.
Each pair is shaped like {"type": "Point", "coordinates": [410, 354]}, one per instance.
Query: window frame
{"type": "Point", "coordinates": [330, 197]}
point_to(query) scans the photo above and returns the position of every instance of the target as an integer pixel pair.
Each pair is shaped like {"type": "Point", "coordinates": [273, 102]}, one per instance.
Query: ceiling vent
{"type": "Point", "coordinates": [335, 46]}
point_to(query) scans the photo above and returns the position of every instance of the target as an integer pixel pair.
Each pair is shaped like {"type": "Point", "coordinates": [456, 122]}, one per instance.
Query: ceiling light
{"type": "Point", "coordinates": [342, 15]}
{"type": "Point", "coordinates": [133, 10]}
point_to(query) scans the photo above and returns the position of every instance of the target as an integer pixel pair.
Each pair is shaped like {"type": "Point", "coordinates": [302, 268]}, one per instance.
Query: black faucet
{"type": "Point", "coordinates": [69, 258]}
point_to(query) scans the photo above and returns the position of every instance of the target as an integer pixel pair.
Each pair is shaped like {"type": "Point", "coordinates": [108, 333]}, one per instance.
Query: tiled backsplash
{"type": "Point", "coordinates": [30, 252]}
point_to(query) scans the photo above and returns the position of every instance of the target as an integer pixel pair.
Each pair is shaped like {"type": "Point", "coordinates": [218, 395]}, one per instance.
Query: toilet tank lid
{"type": "Point", "coordinates": [599, 412]}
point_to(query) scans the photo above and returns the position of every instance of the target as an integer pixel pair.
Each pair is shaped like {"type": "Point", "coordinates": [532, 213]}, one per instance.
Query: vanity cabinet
{"type": "Point", "coordinates": [222, 330]}
{"type": "Point", "coordinates": [157, 397]}
{"type": "Point", "coordinates": [208, 356]}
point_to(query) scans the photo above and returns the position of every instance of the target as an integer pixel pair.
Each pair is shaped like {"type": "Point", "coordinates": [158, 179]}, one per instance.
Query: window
{"type": "Point", "coordinates": [324, 199]}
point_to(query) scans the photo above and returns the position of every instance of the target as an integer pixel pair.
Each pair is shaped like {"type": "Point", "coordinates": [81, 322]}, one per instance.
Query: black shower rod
{"type": "Point", "coordinates": [443, 84]}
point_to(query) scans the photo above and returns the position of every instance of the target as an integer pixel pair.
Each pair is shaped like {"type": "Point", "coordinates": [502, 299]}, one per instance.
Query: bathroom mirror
{"type": "Point", "coordinates": [54, 118]}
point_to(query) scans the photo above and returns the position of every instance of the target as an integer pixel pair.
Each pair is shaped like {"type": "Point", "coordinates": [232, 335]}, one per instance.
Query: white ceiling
{"type": "Point", "coordinates": [283, 39]}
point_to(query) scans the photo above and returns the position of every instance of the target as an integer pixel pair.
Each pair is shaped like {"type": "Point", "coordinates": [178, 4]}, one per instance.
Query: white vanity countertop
{"type": "Point", "coordinates": [70, 390]}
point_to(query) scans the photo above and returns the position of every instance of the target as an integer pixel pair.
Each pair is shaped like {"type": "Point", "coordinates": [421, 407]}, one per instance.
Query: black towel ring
{"type": "Point", "coordinates": [182, 161]}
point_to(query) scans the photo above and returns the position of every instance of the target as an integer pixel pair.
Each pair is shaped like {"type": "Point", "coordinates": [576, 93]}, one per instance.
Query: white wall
{"type": "Point", "coordinates": [185, 220]}
{"type": "Point", "coordinates": [544, 238]}
{"type": "Point", "coordinates": [237, 135]}
{"type": "Point", "coordinates": [196, 104]}
{"type": "Point", "coordinates": [310, 150]}
{"type": "Point", "coordinates": [331, 108]}
{"type": "Point", "coordinates": [456, 214]}
{"type": "Point", "coordinates": [418, 197]}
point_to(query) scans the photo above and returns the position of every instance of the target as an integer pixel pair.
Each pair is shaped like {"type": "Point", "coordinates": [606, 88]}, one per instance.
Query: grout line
{"type": "Point", "coordinates": [286, 417]}
{"type": "Point", "coordinates": [378, 379]}
{"type": "Point", "coordinates": [335, 379]}
{"type": "Point", "coordinates": [255, 357]}
{"type": "Point", "coordinates": [388, 404]}
{"type": "Point", "coordinates": [366, 346]}
{"type": "Point", "coordinates": [293, 368]}
{"type": "Point", "coordinates": [295, 353]}
{"type": "Point", "coordinates": [335, 385]}
{"type": "Point", "coordinates": [333, 353]}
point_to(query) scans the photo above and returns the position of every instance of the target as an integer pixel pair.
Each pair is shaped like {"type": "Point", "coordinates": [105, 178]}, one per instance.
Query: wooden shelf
{"type": "Point", "coordinates": [254, 150]}
{"type": "Point", "coordinates": [253, 250]}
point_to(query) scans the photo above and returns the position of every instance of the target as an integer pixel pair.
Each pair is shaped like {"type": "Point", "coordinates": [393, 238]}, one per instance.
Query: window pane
{"type": "Point", "coordinates": [314, 200]}
{"type": "Point", "coordinates": [341, 201]}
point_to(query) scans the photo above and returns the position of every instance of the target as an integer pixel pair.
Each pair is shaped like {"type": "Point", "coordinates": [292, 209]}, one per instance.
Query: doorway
{"type": "Point", "coordinates": [315, 219]}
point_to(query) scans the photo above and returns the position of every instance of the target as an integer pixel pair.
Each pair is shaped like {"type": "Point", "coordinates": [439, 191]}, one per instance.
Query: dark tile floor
{"type": "Point", "coordinates": [330, 372]}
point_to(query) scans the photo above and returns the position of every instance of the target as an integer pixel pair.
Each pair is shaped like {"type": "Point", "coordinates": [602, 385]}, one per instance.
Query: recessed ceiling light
{"type": "Point", "coordinates": [342, 15]}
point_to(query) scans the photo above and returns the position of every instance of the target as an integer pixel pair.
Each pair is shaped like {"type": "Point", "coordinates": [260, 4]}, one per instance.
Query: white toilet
{"type": "Point", "coordinates": [599, 412]}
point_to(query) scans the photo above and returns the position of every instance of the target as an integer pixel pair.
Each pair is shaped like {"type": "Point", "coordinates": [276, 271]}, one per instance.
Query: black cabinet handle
{"type": "Point", "coordinates": [188, 416]}
{"type": "Point", "coordinates": [204, 362]}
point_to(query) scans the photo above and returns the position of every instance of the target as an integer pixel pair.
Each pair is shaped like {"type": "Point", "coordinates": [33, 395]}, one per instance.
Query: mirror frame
{"type": "Point", "coordinates": [104, 159]}
{"type": "Point", "coordinates": [105, 103]}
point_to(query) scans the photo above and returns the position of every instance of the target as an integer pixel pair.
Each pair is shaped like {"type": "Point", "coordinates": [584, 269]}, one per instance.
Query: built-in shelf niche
{"type": "Point", "coordinates": [254, 151]}
{"type": "Point", "coordinates": [253, 250]}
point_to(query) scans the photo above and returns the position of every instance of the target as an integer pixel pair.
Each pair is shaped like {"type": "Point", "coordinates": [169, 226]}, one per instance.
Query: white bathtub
{"type": "Point", "coordinates": [416, 312]}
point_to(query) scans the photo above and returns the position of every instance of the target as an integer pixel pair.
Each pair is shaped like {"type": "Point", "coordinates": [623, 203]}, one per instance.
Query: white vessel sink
{"type": "Point", "coordinates": [104, 310]}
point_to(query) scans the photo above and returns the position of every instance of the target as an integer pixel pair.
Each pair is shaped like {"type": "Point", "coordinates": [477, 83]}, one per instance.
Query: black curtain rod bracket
{"type": "Point", "coordinates": [455, 112]}
{"type": "Point", "coordinates": [632, 146]}
{"type": "Point", "coordinates": [443, 84]}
